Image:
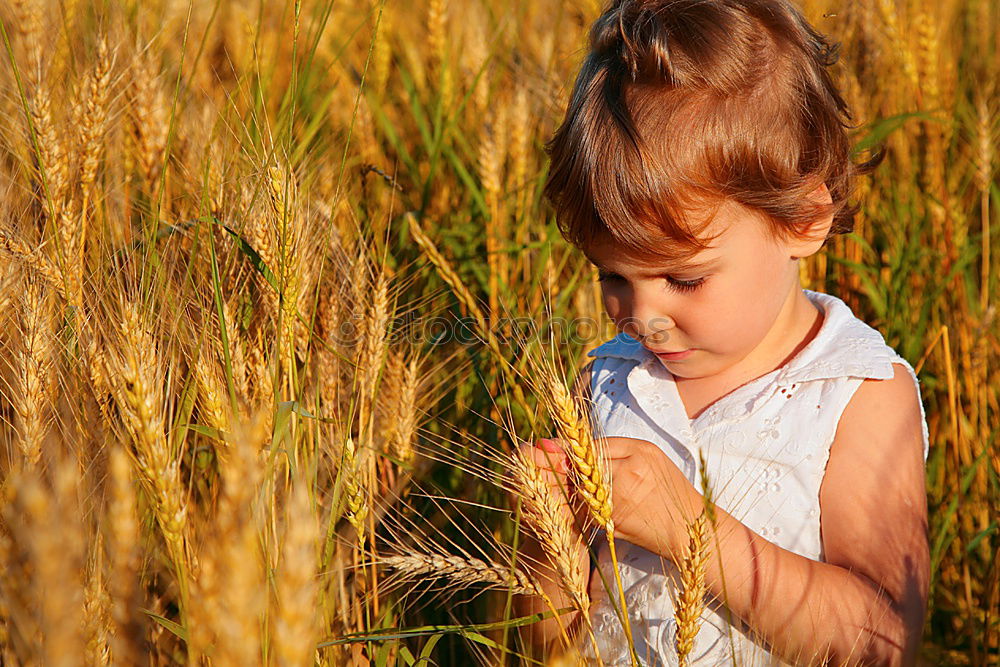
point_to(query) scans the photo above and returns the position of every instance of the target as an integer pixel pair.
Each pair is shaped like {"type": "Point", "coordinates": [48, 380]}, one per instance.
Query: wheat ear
{"type": "Point", "coordinates": [357, 503]}
{"type": "Point", "coordinates": [463, 571]}
{"type": "Point", "coordinates": [31, 396]}
{"type": "Point", "coordinates": [590, 473]}
{"type": "Point", "coordinates": [10, 245]}
{"type": "Point", "coordinates": [554, 533]}
{"type": "Point", "coordinates": [123, 528]}
{"type": "Point", "coordinates": [139, 395]}
{"type": "Point", "coordinates": [691, 601]}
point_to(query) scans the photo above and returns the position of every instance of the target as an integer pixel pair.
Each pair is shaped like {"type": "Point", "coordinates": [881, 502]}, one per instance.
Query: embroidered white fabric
{"type": "Point", "coordinates": [766, 446]}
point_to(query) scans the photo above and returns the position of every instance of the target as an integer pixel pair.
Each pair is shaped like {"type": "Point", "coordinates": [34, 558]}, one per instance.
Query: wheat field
{"type": "Point", "coordinates": [279, 293]}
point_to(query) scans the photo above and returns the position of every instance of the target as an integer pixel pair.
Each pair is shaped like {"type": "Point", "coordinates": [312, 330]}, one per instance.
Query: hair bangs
{"type": "Point", "coordinates": [610, 185]}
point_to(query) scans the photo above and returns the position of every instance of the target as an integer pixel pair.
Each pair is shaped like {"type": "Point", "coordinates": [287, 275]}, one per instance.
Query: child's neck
{"type": "Point", "coordinates": [796, 325]}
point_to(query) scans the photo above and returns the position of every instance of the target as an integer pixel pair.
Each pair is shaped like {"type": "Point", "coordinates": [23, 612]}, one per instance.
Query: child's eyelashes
{"type": "Point", "coordinates": [672, 283]}
{"type": "Point", "coordinates": [685, 285]}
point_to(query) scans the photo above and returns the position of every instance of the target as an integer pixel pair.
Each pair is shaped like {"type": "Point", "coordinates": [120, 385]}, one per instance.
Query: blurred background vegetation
{"type": "Point", "coordinates": [233, 237]}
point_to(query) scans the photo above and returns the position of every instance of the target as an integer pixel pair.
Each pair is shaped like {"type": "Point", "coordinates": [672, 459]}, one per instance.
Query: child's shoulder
{"type": "Point", "coordinates": [887, 405]}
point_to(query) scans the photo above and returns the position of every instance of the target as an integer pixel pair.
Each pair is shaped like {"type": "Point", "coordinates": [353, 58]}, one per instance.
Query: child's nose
{"type": "Point", "coordinates": [647, 322]}
{"type": "Point", "coordinates": [652, 329]}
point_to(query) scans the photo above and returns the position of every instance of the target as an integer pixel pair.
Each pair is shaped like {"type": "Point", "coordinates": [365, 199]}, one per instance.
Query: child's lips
{"type": "Point", "coordinates": [672, 356]}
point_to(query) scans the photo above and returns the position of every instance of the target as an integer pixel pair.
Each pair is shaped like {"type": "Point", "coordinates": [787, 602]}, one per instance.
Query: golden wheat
{"type": "Point", "coordinates": [355, 494]}
{"type": "Point", "coordinates": [149, 122]}
{"type": "Point", "coordinates": [295, 626]}
{"type": "Point", "coordinates": [12, 246]}
{"type": "Point", "coordinates": [138, 391]}
{"type": "Point", "coordinates": [690, 602]}
{"type": "Point", "coordinates": [461, 571]}
{"type": "Point", "coordinates": [31, 394]}
{"type": "Point", "coordinates": [453, 105]}
{"type": "Point", "coordinates": [123, 532]}
{"type": "Point", "coordinates": [231, 599]}
{"type": "Point", "coordinates": [52, 158]}
{"type": "Point", "coordinates": [555, 534]}
{"type": "Point", "coordinates": [98, 626]}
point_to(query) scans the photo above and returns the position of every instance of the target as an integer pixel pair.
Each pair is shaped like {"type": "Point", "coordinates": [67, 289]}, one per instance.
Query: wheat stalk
{"type": "Point", "coordinates": [295, 624]}
{"type": "Point", "coordinates": [123, 529]}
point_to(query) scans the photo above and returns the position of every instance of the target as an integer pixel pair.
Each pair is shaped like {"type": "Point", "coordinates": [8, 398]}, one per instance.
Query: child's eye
{"type": "Point", "coordinates": [684, 285]}
{"type": "Point", "coordinates": [673, 283]}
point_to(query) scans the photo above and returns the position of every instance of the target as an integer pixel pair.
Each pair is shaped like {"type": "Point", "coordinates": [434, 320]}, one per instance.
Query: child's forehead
{"type": "Point", "coordinates": [715, 230]}
{"type": "Point", "coordinates": [669, 255]}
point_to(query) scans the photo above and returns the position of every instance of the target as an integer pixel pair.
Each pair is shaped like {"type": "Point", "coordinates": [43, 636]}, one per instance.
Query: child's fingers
{"type": "Point", "coordinates": [545, 458]}
{"type": "Point", "coordinates": [552, 454]}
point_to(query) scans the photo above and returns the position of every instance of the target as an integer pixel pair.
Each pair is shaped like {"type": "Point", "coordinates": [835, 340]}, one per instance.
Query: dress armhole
{"type": "Point", "coordinates": [900, 361]}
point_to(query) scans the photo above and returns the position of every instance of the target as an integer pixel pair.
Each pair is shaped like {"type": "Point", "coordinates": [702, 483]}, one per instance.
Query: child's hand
{"type": "Point", "coordinates": [652, 501]}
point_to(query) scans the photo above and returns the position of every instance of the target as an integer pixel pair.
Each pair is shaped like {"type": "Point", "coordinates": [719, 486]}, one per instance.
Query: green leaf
{"type": "Point", "coordinates": [294, 406]}
{"type": "Point", "coordinates": [880, 129]}
{"type": "Point", "coordinates": [425, 654]}
{"type": "Point", "coordinates": [206, 431]}
{"type": "Point", "coordinates": [173, 627]}
{"type": "Point", "coordinates": [425, 630]}
{"type": "Point", "coordinates": [251, 254]}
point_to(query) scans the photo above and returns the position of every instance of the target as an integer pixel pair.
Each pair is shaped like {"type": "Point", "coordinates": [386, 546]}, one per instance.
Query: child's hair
{"type": "Point", "coordinates": [681, 104]}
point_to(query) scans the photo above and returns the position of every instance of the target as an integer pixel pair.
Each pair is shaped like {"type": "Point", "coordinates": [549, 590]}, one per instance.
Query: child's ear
{"type": "Point", "coordinates": [818, 231]}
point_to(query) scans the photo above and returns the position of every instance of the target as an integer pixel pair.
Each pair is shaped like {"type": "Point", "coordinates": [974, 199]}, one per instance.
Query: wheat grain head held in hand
{"type": "Point", "coordinates": [704, 155]}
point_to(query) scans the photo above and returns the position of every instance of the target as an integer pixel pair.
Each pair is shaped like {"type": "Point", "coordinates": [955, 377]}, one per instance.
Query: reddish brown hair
{"type": "Point", "coordinates": [683, 103]}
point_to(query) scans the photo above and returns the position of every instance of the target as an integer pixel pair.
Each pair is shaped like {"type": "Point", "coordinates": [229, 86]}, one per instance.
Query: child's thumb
{"type": "Point", "coordinates": [548, 445]}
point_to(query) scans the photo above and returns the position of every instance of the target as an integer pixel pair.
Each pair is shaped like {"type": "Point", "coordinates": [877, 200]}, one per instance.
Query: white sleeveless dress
{"type": "Point", "coordinates": [766, 446]}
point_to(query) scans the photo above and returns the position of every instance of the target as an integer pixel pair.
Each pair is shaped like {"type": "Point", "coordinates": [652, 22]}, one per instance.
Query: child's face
{"type": "Point", "coordinates": [734, 308]}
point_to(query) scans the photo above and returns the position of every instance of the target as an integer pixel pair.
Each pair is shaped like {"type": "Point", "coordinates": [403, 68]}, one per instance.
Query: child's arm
{"type": "Point", "coordinates": [866, 603]}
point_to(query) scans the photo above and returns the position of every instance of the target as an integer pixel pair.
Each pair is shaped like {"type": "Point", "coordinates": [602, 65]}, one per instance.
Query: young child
{"type": "Point", "coordinates": [702, 157]}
